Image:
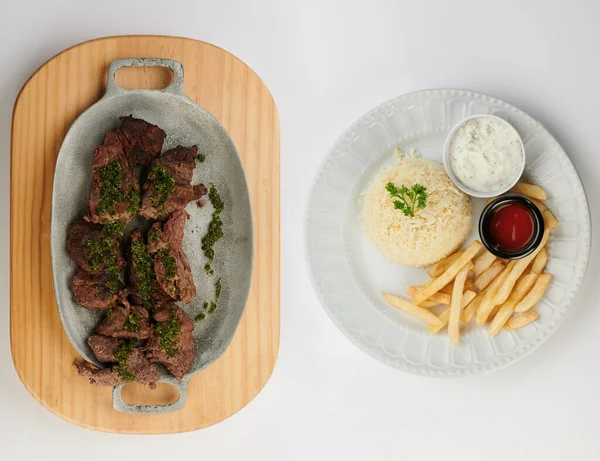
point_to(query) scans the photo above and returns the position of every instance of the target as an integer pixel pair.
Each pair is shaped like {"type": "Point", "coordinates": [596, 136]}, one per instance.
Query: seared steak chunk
{"type": "Point", "coordinates": [168, 188]}
{"type": "Point", "coordinates": [96, 291]}
{"type": "Point", "coordinates": [93, 247]}
{"type": "Point", "coordinates": [178, 199]}
{"type": "Point", "coordinates": [99, 376]}
{"type": "Point", "coordinates": [114, 191]}
{"type": "Point", "coordinates": [104, 347]}
{"type": "Point", "coordinates": [172, 342]}
{"type": "Point", "coordinates": [78, 235]}
{"type": "Point", "coordinates": [171, 265]}
{"type": "Point", "coordinates": [141, 368]}
{"type": "Point", "coordinates": [131, 364]}
{"type": "Point", "coordinates": [126, 322]}
{"type": "Point", "coordinates": [141, 277]}
{"type": "Point", "coordinates": [142, 142]}
{"type": "Point", "coordinates": [180, 163]}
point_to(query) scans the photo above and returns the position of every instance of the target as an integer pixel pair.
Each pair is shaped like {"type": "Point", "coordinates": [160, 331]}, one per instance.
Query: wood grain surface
{"type": "Point", "coordinates": [46, 107]}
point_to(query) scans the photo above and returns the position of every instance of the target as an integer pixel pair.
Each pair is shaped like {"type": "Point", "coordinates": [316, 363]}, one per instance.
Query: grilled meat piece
{"type": "Point", "coordinates": [99, 376]}
{"type": "Point", "coordinates": [90, 249]}
{"type": "Point", "coordinates": [180, 162]}
{"type": "Point", "coordinates": [168, 188]}
{"type": "Point", "coordinates": [96, 291]}
{"type": "Point", "coordinates": [125, 321]}
{"type": "Point", "coordinates": [178, 200]}
{"type": "Point", "coordinates": [78, 235]}
{"type": "Point", "coordinates": [114, 190]}
{"type": "Point", "coordinates": [141, 141]}
{"type": "Point", "coordinates": [172, 342]}
{"type": "Point", "coordinates": [141, 277]}
{"type": "Point", "coordinates": [142, 370]}
{"type": "Point", "coordinates": [171, 265]}
{"type": "Point", "coordinates": [104, 348]}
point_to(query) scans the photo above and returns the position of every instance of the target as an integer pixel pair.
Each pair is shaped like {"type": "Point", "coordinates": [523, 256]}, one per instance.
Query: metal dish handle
{"type": "Point", "coordinates": [176, 86]}
{"type": "Point", "coordinates": [120, 405]}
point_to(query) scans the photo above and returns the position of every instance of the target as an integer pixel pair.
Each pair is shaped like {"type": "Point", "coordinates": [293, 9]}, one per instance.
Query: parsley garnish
{"type": "Point", "coordinates": [409, 200]}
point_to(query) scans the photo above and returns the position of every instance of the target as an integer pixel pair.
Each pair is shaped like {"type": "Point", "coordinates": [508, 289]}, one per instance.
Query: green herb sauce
{"type": "Point", "coordinates": [169, 263]}
{"type": "Point", "coordinates": [103, 252]}
{"type": "Point", "coordinates": [212, 308]}
{"type": "Point", "coordinates": [143, 266]}
{"type": "Point", "coordinates": [215, 199]}
{"type": "Point", "coordinates": [133, 200]}
{"type": "Point", "coordinates": [122, 353]}
{"type": "Point", "coordinates": [164, 185]}
{"type": "Point", "coordinates": [200, 316]}
{"type": "Point", "coordinates": [154, 235]}
{"type": "Point", "coordinates": [111, 176]}
{"type": "Point", "coordinates": [168, 333]}
{"type": "Point", "coordinates": [133, 322]}
{"type": "Point", "coordinates": [215, 228]}
{"type": "Point", "coordinates": [218, 288]}
{"type": "Point", "coordinates": [201, 158]}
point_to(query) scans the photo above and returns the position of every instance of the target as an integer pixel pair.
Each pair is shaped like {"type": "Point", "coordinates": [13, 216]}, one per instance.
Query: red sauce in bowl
{"type": "Point", "coordinates": [512, 227]}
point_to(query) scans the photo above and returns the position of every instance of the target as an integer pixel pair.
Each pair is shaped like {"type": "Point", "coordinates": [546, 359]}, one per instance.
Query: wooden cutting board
{"type": "Point", "coordinates": [46, 107]}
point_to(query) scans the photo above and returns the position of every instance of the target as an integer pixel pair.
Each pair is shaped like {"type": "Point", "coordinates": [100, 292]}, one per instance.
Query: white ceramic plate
{"type": "Point", "coordinates": [349, 274]}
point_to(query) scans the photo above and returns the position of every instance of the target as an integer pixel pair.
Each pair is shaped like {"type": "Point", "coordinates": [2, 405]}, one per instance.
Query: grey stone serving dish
{"type": "Point", "coordinates": [185, 123]}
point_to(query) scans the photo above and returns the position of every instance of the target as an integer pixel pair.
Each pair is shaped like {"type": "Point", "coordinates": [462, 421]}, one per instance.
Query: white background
{"type": "Point", "coordinates": [326, 63]}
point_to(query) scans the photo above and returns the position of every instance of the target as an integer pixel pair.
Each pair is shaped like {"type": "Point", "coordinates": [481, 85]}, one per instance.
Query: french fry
{"type": "Point", "coordinates": [539, 263]}
{"type": "Point", "coordinates": [410, 308]}
{"type": "Point", "coordinates": [522, 287]}
{"type": "Point", "coordinates": [456, 303]}
{"type": "Point", "coordinates": [469, 285]}
{"type": "Point", "coordinates": [482, 262]}
{"type": "Point", "coordinates": [493, 313]}
{"type": "Point", "coordinates": [550, 220]}
{"type": "Point", "coordinates": [517, 271]}
{"type": "Point", "coordinates": [427, 304]}
{"type": "Point", "coordinates": [468, 296]}
{"type": "Point", "coordinates": [412, 289]}
{"type": "Point", "coordinates": [440, 267]}
{"type": "Point", "coordinates": [447, 289]}
{"type": "Point", "coordinates": [487, 303]}
{"type": "Point", "coordinates": [438, 298]}
{"type": "Point", "coordinates": [519, 321]}
{"type": "Point", "coordinates": [472, 307]}
{"type": "Point", "coordinates": [530, 190]}
{"type": "Point", "coordinates": [440, 282]}
{"type": "Point", "coordinates": [536, 293]}
{"type": "Point", "coordinates": [489, 275]}
{"type": "Point", "coordinates": [542, 206]}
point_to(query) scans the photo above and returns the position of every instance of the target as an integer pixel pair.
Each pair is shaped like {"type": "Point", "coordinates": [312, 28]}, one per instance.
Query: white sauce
{"type": "Point", "coordinates": [486, 154]}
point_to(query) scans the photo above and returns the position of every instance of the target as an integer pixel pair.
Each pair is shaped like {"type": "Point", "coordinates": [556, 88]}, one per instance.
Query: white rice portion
{"type": "Point", "coordinates": [434, 232]}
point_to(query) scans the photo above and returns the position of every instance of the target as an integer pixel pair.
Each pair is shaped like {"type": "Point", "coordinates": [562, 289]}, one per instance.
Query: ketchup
{"type": "Point", "coordinates": [512, 227]}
